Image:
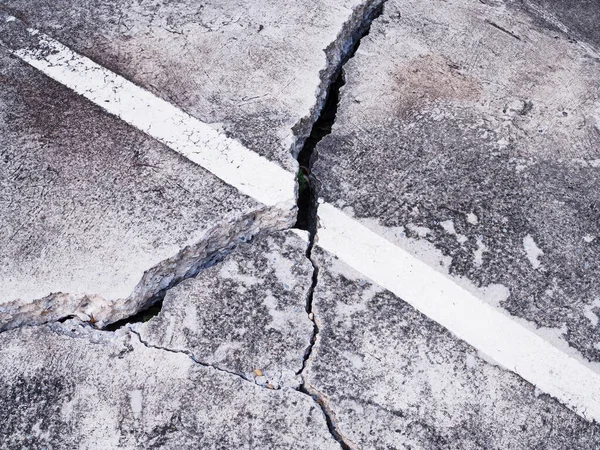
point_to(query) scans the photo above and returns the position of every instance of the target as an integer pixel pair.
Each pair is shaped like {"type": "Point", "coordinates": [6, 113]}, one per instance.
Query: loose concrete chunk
{"type": "Point", "coordinates": [392, 378]}
{"type": "Point", "coordinates": [96, 216]}
{"type": "Point", "coordinates": [65, 386]}
{"type": "Point", "coordinates": [246, 315]}
{"type": "Point", "coordinates": [256, 69]}
{"type": "Point", "coordinates": [476, 122]}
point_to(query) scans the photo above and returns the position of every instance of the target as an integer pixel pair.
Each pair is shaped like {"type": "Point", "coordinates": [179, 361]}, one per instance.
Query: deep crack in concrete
{"type": "Point", "coordinates": [308, 194]}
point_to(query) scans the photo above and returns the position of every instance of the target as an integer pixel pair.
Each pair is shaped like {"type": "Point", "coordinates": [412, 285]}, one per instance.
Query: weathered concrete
{"type": "Point", "coordinates": [97, 217]}
{"type": "Point", "coordinates": [246, 315]}
{"type": "Point", "coordinates": [392, 378]}
{"type": "Point", "coordinates": [473, 129]}
{"type": "Point", "coordinates": [66, 386]}
{"type": "Point", "coordinates": [468, 133]}
{"type": "Point", "coordinates": [257, 70]}
{"type": "Point", "coordinates": [578, 19]}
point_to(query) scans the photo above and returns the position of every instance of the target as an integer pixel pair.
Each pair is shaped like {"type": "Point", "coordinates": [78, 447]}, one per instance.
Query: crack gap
{"type": "Point", "coordinates": [156, 304]}
{"type": "Point", "coordinates": [308, 196]}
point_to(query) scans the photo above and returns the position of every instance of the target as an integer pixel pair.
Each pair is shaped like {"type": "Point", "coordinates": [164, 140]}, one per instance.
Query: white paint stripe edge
{"type": "Point", "coordinates": [226, 158]}
{"type": "Point", "coordinates": [469, 318]}
{"type": "Point", "coordinates": [438, 297]}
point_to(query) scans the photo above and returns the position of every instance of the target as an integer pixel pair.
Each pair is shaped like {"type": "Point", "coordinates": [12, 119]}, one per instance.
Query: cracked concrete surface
{"type": "Point", "coordinates": [250, 68]}
{"type": "Point", "coordinates": [468, 134]}
{"type": "Point", "coordinates": [395, 379]}
{"type": "Point", "coordinates": [246, 315]}
{"type": "Point", "coordinates": [79, 388]}
{"type": "Point", "coordinates": [99, 217]}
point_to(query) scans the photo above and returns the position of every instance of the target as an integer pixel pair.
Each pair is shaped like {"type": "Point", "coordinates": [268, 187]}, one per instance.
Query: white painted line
{"type": "Point", "coordinates": [438, 297]}
{"type": "Point", "coordinates": [472, 320]}
{"type": "Point", "coordinates": [228, 159]}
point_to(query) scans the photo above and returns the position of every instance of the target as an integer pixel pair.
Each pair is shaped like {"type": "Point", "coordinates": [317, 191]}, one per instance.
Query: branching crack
{"type": "Point", "coordinates": [326, 111]}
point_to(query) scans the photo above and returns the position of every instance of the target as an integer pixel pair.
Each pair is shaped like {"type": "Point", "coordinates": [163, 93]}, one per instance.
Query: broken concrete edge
{"type": "Point", "coordinates": [101, 312]}
{"type": "Point", "coordinates": [337, 54]}
{"type": "Point", "coordinates": [216, 243]}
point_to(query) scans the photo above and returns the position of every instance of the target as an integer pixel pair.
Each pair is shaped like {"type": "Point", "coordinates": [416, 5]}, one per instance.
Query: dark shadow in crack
{"type": "Point", "coordinates": [308, 196]}
{"type": "Point", "coordinates": [142, 316]}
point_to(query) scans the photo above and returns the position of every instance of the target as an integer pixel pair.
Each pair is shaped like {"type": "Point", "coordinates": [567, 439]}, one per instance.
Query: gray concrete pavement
{"type": "Point", "coordinates": [467, 135]}
{"type": "Point", "coordinates": [395, 379]}
{"type": "Point", "coordinates": [91, 205]}
{"type": "Point", "coordinates": [72, 387]}
{"type": "Point", "coordinates": [473, 130]}
{"type": "Point", "coordinates": [247, 315]}
{"type": "Point", "coordinates": [250, 68]}
{"type": "Point", "coordinates": [578, 19]}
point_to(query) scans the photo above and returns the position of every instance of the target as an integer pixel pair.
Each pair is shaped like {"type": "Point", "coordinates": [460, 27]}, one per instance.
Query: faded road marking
{"type": "Point", "coordinates": [489, 330]}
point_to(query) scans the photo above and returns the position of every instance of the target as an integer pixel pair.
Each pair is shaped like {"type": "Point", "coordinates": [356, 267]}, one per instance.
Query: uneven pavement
{"type": "Point", "coordinates": [436, 285]}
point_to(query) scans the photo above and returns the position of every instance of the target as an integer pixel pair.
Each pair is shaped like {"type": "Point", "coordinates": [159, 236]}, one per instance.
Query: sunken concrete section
{"type": "Point", "coordinates": [98, 217]}
{"type": "Point", "coordinates": [246, 315]}
{"type": "Point", "coordinates": [67, 386]}
{"type": "Point", "coordinates": [257, 70]}
{"type": "Point", "coordinates": [392, 378]}
{"type": "Point", "coordinates": [473, 130]}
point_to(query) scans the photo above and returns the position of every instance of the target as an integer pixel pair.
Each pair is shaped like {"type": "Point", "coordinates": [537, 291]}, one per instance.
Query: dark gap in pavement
{"type": "Point", "coordinates": [142, 316]}
{"type": "Point", "coordinates": [308, 196]}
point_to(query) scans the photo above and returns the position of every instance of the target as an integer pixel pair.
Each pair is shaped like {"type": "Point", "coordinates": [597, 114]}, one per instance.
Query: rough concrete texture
{"type": "Point", "coordinates": [252, 68]}
{"type": "Point", "coordinates": [473, 129]}
{"type": "Point", "coordinates": [97, 217]}
{"type": "Point", "coordinates": [394, 379]}
{"type": "Point", "coordinates": [66, 386]}
{"type": "Point", "coordinates": [579, 19]}
{"type": "Point", "coordinates": [246, 315]}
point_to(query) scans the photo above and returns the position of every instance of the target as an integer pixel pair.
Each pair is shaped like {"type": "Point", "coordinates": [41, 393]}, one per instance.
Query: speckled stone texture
{"type": "Point", "coordinates": [66, 386]}
{"type": "Point", "coordinates": [395, 379]}
{"type": "Point", "coordinates": [247, 315]}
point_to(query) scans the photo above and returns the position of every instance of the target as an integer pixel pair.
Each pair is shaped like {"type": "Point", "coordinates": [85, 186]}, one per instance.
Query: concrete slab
{"type": "Point", "coordinates": [247, 315]}
{"type": "Point", "coordinates": [468, 134]}
{"type": "Point", "coordinates": [98, 217]}
{"type": "Point", "coordinates": [66, 386]}
{"type": "Point", "coordinates": [256, 70]}
{"type": "Point", "coordinates": [392, 378]}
